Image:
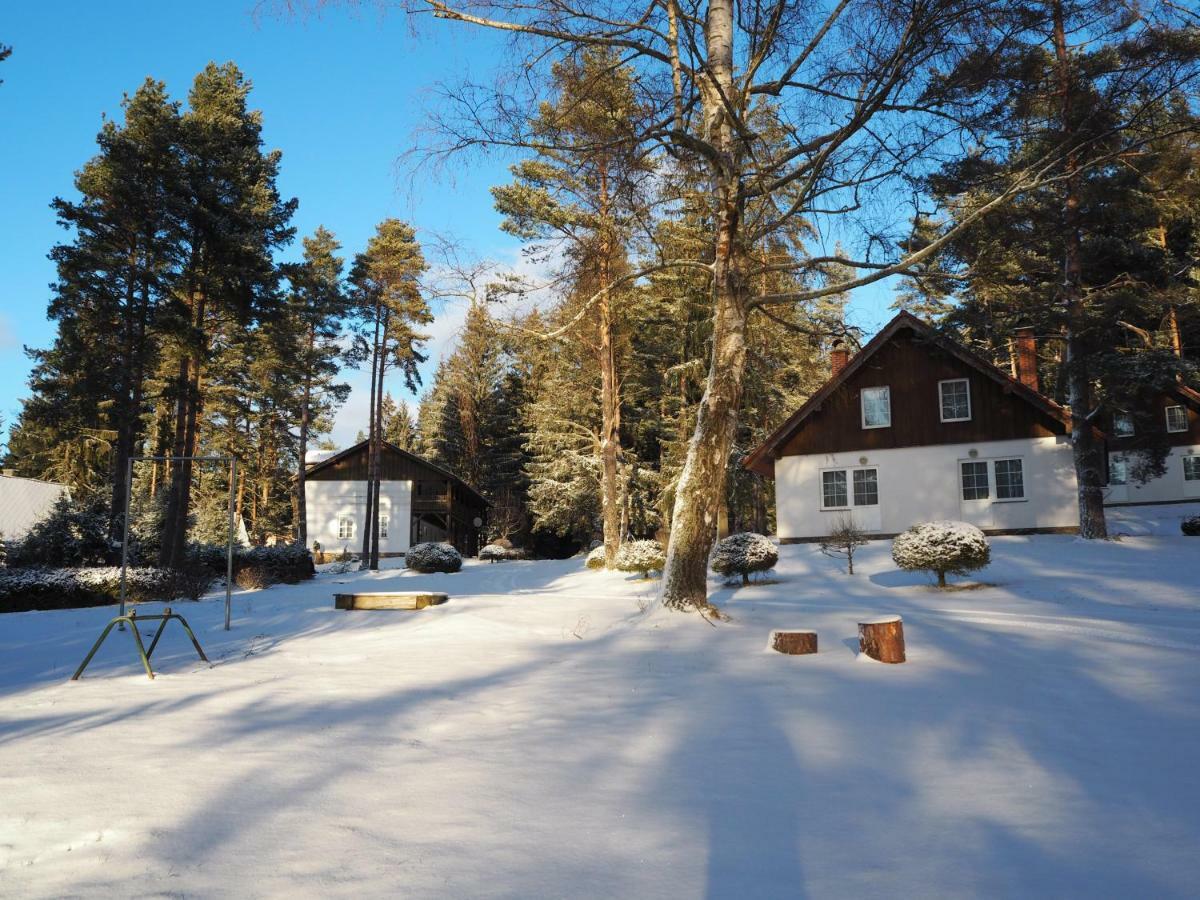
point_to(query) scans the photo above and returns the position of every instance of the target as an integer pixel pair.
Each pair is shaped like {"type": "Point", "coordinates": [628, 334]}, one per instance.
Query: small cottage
{"type": "Point", "coordinates": [418, 501]}
{"type": "Point", "coordinates": [24, 502]}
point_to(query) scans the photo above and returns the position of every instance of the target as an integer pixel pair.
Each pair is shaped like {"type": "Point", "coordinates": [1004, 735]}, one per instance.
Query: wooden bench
{"type": "Point", "coordinates": [389, 600]}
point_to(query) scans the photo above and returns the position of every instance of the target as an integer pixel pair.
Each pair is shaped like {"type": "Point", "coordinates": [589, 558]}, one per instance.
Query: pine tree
{"type": "Point", "coordinates": [232, 220]}
{"type": "Point", "coordinates": [312, 349]}
{"type": "Point", "coordinates": [585, 187]}
{"type": "Point", "coordinates": [386, 292]}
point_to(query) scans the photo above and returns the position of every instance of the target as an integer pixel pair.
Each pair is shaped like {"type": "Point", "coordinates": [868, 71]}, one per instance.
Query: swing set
{"type": "Point", "coordinates": [132, 619]}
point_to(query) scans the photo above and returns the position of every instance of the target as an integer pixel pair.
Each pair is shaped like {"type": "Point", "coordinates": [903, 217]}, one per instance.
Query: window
{"type": "Point", "coordinates": [876, 407]}
{"type": "Point", "coordinates": [975, 481]}
{"type": "Point", "coordinates": [1176, 419]}
{"type": "Point", "coordinates": [1122, 425]}
{"type": "Point", "coordinates": [866, 487]}
{"type": "Point", "coordinates": [1118, 470]}
{"type": "Point", "coordinates": [837, 489]}
{"type": "Point", "coordinates": [833, 489]}
{"type": "Point", "coordinates": [345, 528]}
{"type": "Point", "coordinates": [956, 400]}
{"type": "Point", "coordinates": [383, 525]}
{"type": "Point", "coordinates": [1191, 468]}
{"type": "Point", "coordinates": [1010, 479]}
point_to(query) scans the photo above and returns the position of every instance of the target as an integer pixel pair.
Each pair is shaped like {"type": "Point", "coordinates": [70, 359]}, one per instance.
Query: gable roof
{"type": "Point", "coordinates": [762, 459]}
{"type": "Point", "coordinates": [388, 445]}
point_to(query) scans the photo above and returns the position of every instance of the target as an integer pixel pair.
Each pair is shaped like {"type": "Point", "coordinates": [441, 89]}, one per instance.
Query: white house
{"type": "Point", "coordinates": [915, 427]}
{"type": "Point", "coordinates": [1172, 418]}
{"type": "Point", "coordinates": [418, 501]}
{"type": "Point", "coordinates": [24, 502]}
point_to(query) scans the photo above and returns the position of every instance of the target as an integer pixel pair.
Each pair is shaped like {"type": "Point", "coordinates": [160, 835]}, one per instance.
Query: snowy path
{"type": "Point", "coordinates": [541, 736]}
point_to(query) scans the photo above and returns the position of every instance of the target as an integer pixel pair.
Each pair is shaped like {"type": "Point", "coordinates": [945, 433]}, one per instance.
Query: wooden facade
{"type": "Point", "coordinates": [911, 360]}
{"type": "Point", "coordinates": [444, 507]}
{"type": "Point", "coordinates": [1152, 427]}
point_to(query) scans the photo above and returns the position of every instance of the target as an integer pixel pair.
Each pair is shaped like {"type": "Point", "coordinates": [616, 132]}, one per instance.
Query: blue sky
{"type": "Point", "coordinates": [342, 95]}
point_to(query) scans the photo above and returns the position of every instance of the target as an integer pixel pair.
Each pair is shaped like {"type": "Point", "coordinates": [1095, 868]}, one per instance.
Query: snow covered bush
{"type": "Point", "coordinates": [44, 588]}
{"type": "Point", "coordinates": [430, 557]}
{"type": "Point", "coordinates": [498, 551]}
{"type": "Point", "coordinates": [70, 535]}
{"type": "Point", "coordinates": [744, 553]}
{"type": "Point", "coordinates": [641, 556]}
{"type": "Point", "coordinates": [1190, 526]}
{"type": "Point", "coordinates": [595, 558]}
{"type": "Point", "coordinates": [942, 547]}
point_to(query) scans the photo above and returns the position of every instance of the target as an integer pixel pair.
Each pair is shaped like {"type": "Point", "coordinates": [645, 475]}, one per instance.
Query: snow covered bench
{"type": "Point", "coordinates": [389, 600]}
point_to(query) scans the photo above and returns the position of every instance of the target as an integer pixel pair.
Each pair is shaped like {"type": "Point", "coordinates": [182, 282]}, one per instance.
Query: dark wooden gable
{"type": "Point", "coordinates": [911, 359]}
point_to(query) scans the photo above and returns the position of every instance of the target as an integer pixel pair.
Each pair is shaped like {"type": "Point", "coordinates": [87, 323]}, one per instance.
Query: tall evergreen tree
{"type": "Point", "coordinates": [385, 281]}
{"type": "Point", "coordinates": [232, 220]}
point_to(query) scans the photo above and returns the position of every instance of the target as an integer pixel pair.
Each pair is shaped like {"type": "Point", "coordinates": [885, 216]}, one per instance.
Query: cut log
{"type": "Point", "coordinates": [389, 600]}
{"type": "Point", "coordinates": [882, 639]}
{"type": "Point", "coordinates": [794, 643]}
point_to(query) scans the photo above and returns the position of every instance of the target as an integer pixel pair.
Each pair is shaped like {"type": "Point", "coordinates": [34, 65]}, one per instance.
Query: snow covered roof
{"type": "Point", "coordinates": [24, 502]}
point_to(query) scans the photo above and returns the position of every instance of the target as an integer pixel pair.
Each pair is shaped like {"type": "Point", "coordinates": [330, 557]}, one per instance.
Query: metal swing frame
{"type": "Point", "coordinates": [131, 619]}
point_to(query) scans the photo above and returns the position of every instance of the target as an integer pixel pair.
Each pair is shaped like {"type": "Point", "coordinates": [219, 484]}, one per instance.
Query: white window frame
{"type": "Point", "coordinates": [996, 498]}
{"type": "Point", "coordinates": [1167, 413]}
{"type": "Point", "coordinates": [1123, 460]}
{"type": "Point", "coordinates": [942, 402]}
{"type": "Point", "coordinates": [1128, 430]}
{"type": "Point", "coordinates": [848, 471]}
{"type": "Point", "coordinates": [862, 405]}
{"type": "Point", "coordinates": [1186, 458]}
{"type": "Point", "coordinates": [987, 471]}
{"type": "Point", "coordinates": [342, 535]}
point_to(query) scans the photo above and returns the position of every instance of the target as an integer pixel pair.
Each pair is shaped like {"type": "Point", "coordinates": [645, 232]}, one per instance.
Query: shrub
{"type": "Point", "coordinates": [70, 535]}
{"type": "Point", "coordinates": [286, 563]}
{"type": "Point", "coordinates": [44, 588]}
{"type": "Point", "coordinates": [1190, 526]}
{"type": "Point", "coordinates": [497, 552]}
{"type": "Point", "coordinates": [942, 547]}
{"type": "Point", "coordinates": [430, 557]}
{"type": "Point", "coordinates": [253, 578]}
{"type": "Point", "coordinates": [641, 556]}
{"type": "Point", "coordinates": [744, 553]}
{"type": "Point", "coordinates": [595, 558]}
{"type": "Point", "coordinates": [844, 540]}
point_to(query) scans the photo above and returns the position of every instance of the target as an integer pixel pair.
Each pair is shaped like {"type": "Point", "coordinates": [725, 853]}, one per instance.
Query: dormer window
{"type": "Point", "coordinates": [1122, 425]}
{"type": "Point", "coordinates": [876, 407]}
{"type": "Point", "coordinates": [955, 397]}
{"type": "Point", "coordinates": [1176, 419]}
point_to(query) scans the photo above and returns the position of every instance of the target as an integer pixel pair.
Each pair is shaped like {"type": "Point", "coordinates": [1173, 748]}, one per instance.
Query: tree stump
{"type": "Point", "coordinates": [794, 643]}
{"type": "Point", "coordinates": [882, 639]}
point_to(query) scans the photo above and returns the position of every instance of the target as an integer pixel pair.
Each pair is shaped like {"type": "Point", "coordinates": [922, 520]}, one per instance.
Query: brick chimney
{"type": "Point", "coordinates": [1027, 372]}
{"type": "Point", "coordinates": [838, 357]}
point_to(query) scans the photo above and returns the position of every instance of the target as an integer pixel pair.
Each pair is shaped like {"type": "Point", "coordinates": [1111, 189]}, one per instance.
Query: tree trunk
{"type": "Point", "coordinates": [1087, 452]}
{"type": "Point", "coordinates": [702, 481]}
{"type": "Point", "coordinates": [882, 639]}
{"type": "Point", "coordinates": [365, 560]}
{"type": "Point", "coordinates": [794, 643]}
{"type": "Point", "coordinates": [377, 457]}
{"type": "Point", "coordinates": [301, 474]}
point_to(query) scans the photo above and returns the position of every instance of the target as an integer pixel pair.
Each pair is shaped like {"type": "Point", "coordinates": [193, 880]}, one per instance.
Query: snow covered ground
{"type": "Point", "coordinates": [542, 736]}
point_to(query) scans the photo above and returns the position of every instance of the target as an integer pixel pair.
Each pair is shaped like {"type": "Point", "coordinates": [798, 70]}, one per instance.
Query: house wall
{"type": "Point", "coordinates": [327, 501]}
{"type": "Point", "coordinates": [920, 484]}
{"type": "Point", "coordinates": [1172, 487]}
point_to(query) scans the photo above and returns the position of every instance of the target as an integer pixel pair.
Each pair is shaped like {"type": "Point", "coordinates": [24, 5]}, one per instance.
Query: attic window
{"type": "Point", "coordinates": [876, 407]}
{"type": "Point", "coordinates": [1176, 419]}
{"type": "Point", "coordinates": [956, 400]}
